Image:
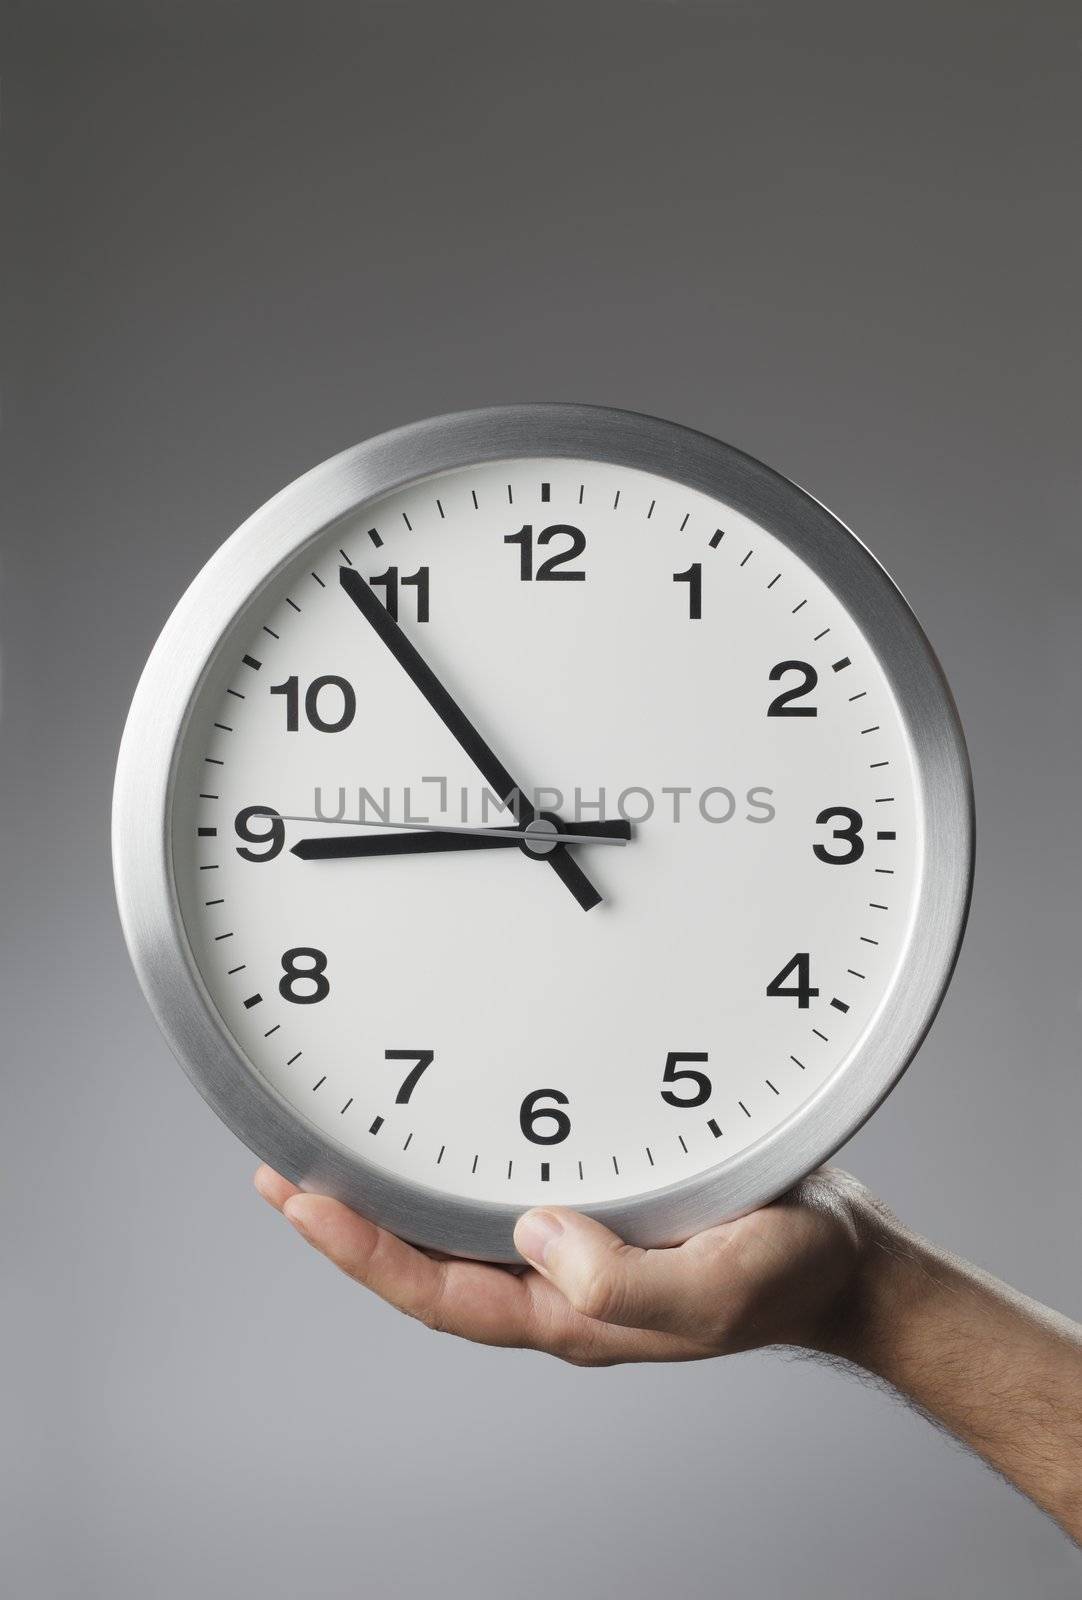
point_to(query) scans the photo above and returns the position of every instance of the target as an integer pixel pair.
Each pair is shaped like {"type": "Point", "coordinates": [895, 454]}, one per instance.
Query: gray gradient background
{"type": "Point", "coordinates": [241, 237]}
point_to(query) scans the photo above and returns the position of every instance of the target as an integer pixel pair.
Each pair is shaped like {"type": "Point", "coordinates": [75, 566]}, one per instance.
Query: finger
{"type": "Point", "coordinates": [467, 1298]}
{"type": "Point", "coordinates": [487, 1304]}
{"type": "Point", "coordinates": [562, 1331]}
{"type": "Point", "coordinates": [610, 1281]}
{"type": "Point", "coordinates": [275, 1189]}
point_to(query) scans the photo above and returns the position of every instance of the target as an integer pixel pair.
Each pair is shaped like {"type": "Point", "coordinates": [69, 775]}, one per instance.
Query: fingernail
{"type": "Point", "coordinates": [290, 1211]}
{"type": "Point", "coordinates": [535, 1235]}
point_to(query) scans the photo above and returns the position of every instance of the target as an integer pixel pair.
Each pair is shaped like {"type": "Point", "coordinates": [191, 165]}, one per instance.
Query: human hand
{"type": "Point", "coordinates": [826, 1268]}
{"type": "Point", "coordinates": [782, 1275]}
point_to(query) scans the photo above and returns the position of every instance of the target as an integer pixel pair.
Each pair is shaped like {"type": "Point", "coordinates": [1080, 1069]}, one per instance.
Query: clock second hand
{"type": "Point", "coordinates": [455, 720]}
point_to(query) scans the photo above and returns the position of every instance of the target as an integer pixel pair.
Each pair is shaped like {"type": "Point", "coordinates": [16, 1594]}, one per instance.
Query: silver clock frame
{"type": "Point", "coordinates": [232, 582]}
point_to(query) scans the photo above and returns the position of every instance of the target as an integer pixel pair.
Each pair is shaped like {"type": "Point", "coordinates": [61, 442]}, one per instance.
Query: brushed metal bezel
{"type": "Point", "coordinates": [249, 561]}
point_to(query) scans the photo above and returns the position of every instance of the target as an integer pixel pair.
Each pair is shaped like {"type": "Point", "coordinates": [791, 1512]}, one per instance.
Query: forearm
{"type": "Point", "coordinates": [824, 1269]}
{"type": "Point", "coordinates": [999, 1371]}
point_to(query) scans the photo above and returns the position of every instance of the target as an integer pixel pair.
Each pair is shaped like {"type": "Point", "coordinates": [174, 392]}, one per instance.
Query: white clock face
{"type": "Point", "coordinates": [637, 652]}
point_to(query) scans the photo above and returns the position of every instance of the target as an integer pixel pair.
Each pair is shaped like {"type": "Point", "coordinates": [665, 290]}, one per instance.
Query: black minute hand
{"type": "Point", "coordinates": [455, 720]}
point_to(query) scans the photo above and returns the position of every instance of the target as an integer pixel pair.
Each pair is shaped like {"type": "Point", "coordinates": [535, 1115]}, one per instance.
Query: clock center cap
{"type": "Point", "coordinates": [542, 836]}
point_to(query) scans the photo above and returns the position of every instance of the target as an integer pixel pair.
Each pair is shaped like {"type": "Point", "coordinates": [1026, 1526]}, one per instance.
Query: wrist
{"type": "Point", "coordinates": [996, 1370]}
{"type": "Point", "coordinates": [888, 1281]}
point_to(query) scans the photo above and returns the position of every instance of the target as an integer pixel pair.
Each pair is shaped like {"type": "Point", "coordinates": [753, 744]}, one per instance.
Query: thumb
{"type": "Point", "coordinates": [604, 1278]}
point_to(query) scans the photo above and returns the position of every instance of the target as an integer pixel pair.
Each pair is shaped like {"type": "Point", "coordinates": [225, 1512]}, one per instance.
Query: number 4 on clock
{"type": "Point", "coordinates": [801, 991]}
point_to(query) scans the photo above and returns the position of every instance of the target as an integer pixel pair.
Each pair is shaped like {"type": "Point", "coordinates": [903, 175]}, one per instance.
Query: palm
{"type": "Point", "coordinates": [731, 1287]}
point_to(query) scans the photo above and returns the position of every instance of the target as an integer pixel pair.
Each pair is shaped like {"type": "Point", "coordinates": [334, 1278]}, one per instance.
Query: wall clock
{"type": "Point", "coordinates": [543, 803]}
